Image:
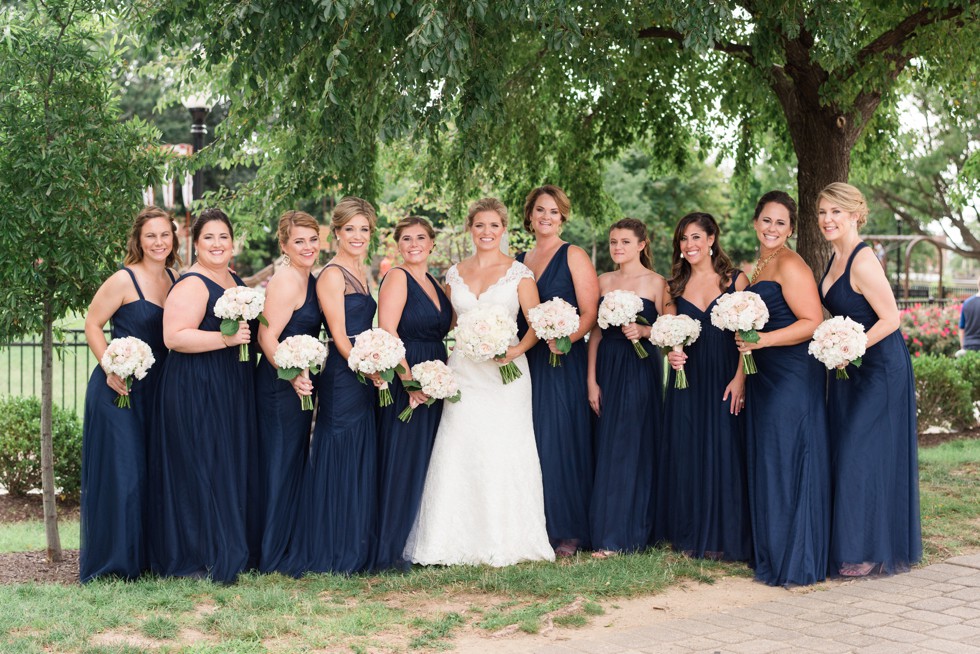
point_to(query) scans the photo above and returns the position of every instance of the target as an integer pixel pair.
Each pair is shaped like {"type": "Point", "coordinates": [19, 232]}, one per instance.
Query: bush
{"type": "Point", "coordinates": [943, 397]}
{"type": "Point", "coordinates": [20, 447]}
{"type": "Point", "coordinates": [968, 365]}
{"type": "Point", "coordinates": [931, 330]}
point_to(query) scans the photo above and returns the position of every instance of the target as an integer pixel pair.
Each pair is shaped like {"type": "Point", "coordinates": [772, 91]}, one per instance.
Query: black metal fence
{"type": "Point", "coordinates": [20, 369]}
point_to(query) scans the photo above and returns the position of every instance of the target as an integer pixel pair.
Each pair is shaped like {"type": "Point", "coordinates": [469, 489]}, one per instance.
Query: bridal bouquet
{"type": "Point", "coordinates": [555, 319]}
{"type": "Point", "coordinates": [127, 357]}
{"type": "Point", "coordinates": [435, 379]}
{"type": "Point", "coordinates": [377, 351]}
{"type": "Point", "coordinates": [675, 332]}
{"type": "Point", "coordinates": [743, 312]}
{"type": "Point", "coordinates": [240, 303]}
{"type": "Point", "coordinates": [837, 342]}
{"type": "Point", "coordinates": [300, 355]}
{"type": "Point", "coordinates": [485, 333]}
{"type": "Point", "coordinates": [620, 308]}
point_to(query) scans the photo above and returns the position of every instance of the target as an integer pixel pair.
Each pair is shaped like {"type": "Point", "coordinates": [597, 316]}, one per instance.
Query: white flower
{"type": "Point", "coordinates": [618, 308]}
{"type": "Point", "coordinates": [838, 341]}
{"type": "Point", "coordinates": [127, 357]}
{"type": "Point", "coordinates": [375, 351]}
{"type": "Point", "coordinates": [485, 332]}
{"type": "Point", "coordinates": [553, 319]}
{"type": "Point", "coordinates": [240, 303]}
{"type": "Point", "coordinates": [742, 311]}
{"type": "Point", "coordinates": [436, 378]}
{"type": "Point", "coordinates": [300, 352]}
{"type": "Point", "coordinates": [669, 331]}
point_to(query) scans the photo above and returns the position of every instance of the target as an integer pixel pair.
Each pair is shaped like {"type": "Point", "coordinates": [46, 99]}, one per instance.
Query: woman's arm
{"type": "Point", "coordinates": [868, 278]}
{"type": "Point", "coordinates": [182, 315]}
{"type": "Point", "coordinates": [527, 294]}
{"type": "Point", "coordinates": [392, 297]}
{"type": "Point", "coordinates": [110, 296]}
{"type": "Point", "coordinates": [586, 284]}
{"type": "Point", "coordinates": [595, 393]}
{"type": "Point", "coordinates": [800, 293]}
{"type": "Point", "coordinates": [281, 297]}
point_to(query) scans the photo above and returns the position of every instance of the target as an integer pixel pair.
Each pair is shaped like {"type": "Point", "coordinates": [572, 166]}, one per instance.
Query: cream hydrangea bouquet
{"type": "Point", "coordinates": [127, 357]}
{"type": "Point", "coordinates": [378, 352]}
{"type": "Point", "coordinates": [838, 342]}
{"type": "Point", "coordinates": [236, 304]}
{"type": "Point", "coordinates": [435, 379]}
{"type": "Point", "coordinates": [675, 333]}
{"type": "Point", "coordinates": [621, 307]}
{"type": "Point", "coordinates": [743, 312]}
{"type": "Point", "coordinates": [300, 355]}
{"type": "Point", "coordinates": [555, 319]}
{"type": "Point", "coordinates": [485, 333]}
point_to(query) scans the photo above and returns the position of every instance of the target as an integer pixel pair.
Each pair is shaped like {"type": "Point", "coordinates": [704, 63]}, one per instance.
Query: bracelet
{"type": "Point", "coordinates": [224, 343]}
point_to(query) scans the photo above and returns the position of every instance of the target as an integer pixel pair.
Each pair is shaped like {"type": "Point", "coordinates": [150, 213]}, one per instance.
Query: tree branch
{"type": "Point", "coordinates": [739, 50]}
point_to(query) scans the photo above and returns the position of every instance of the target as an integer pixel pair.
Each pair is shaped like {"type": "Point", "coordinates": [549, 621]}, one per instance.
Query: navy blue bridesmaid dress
{"type": "Point", "coordinates": [562, 417]}
{"type": "Point", "coordinates": [204, 442]}
{"type": "Point", "coordinates": [284, 438]}
{"type": "Point", "coordinates": [404, 448]}
{"type": "Point", "coordinates": [873, 446]}
{"type": "Point", "coordinates": [787, 455]}
{"type": "Point", "coordinates": [627, 437]}
{"type": "Point", "coordinates": [337, 517]}
{"type": "Point", "coordinates": [702, 463]}
{"type": "Point", "coordinates": [114, 453]}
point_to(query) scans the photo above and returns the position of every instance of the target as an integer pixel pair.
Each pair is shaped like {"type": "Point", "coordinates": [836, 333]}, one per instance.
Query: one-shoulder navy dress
{"type": "Point", "coordinates": [114, 453]}
{"type": "Point", "coordinates": [787, 455]}
{"type": "Point", "coordinates": [873, 446]}
{"type": "Point", "coordinates": [702, 463]}
{"type": "Point", "coordinates": [404, 447]}
{"type": "Point", "coordinates": [203, 436]}
{"type": "Point", "coordinates": [284, 438]}
{"type": "Point", "coordinates": [627, 437]}
{"type": "Point", "coordinates": [562, 417]}
{"type": "Point", "coordinates": [338, 511]}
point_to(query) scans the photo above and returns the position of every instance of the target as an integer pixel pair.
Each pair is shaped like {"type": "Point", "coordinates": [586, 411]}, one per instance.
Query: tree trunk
{"type": "Point", "coordinates": [47, 446]}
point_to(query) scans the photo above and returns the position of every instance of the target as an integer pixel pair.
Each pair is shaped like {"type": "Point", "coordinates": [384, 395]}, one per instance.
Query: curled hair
{"type": "Point", "coordinates": [680, 270]}
{"type": "Point", "coordinates": [779, 197]}
{"type": "Point", "coordinates": [848, 198]}
{"type": "Point", "coordinates": [486, 204]}
{"type": "Point", "coordinates": [292, 219]}
{"type": "Point", "coordinates": [348, 209]}
{"type": "Point", "coordinates": [558, 195]}
{"type": "Point", "coordinates": [414, 221]}
{"type": "Point", "coordinates": [640, 231]}
{"type": "Point", "coordinates": [134, 249]}
{"type": "Point", "coordinates": [206, 216]}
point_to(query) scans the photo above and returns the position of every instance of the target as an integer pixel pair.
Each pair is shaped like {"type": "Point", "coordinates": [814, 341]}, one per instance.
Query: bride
{"type": "Point", "coordinates": [483, 500]}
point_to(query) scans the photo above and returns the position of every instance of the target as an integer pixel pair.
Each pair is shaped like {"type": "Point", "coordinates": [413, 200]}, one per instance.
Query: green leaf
{"type": "Point", "coordinates": [229, 327]}
{"type": "Point", "coordinates": [288, 373]}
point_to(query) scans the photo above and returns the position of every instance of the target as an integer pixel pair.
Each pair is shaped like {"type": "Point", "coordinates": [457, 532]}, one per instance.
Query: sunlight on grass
{"type": "Point", "coordinates": [29, 536]}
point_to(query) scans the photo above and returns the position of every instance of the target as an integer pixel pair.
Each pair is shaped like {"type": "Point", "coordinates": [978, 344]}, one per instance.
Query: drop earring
{"type": "Point", "coordinates": [682, 255]}
{"type": "Point", "coordinates": [286, 261]}
{"type": "Point", "coordinates": [711, 252]}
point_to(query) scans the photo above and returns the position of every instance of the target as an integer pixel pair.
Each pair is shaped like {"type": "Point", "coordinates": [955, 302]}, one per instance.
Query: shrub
{"type": "Point", "coordinates": [943, 397]}
{"type": "Point", "coordinates": [968, 365]}
{"type": "Point", "coordinates": [20, 447]}
{"type": "Point", "coordinates": [931, 329]}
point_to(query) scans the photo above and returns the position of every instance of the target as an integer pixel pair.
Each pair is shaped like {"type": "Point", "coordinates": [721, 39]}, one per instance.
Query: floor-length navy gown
{"type": "Point", "coordinates": [114, 453]}
{"type": "Point", "coordinates": [284, 438]}
{"type": "Point", "coordinates": [404, 447]}
{"type": "Point", "coordinates": [787, 455]}
{"type": "Point", "coordinates": [203, 439]}
{"type": "Point", "coordinates": [702, 463]}
{"type": "Point", "coordinates": [337, 519]}
{"type": "Point", "coordinates": [873, 446]}
{"type": "Point", "coordinates": [562, 417]}
{"type": "Point", "coordinates": [627, 435]}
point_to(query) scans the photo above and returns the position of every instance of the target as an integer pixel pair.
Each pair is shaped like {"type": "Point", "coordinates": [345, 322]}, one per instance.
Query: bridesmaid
{"type": "Point", "coordinates": [702, 464]}
{"type": "Point", "coordinates": [413, 306]}
{"type": "Point", "coordinates": [291, 309]}
{"type": "Point", "coordinates": [114, 439]}
{"type": "Point", "coordinates": [335, 528]}
{"type": "Point", "coordinates": [786, 421]}
{"type": "Point", "coordinates": [872, 415]}
{"type": "Point", "coordinates": [206, 421]}
{"type": "Point", "coordinates": [562, 424]}
{"type": "Point", "coordinates": [625, 394]}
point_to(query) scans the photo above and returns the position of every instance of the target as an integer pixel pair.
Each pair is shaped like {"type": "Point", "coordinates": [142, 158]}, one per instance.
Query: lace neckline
{"type": "Point", "coordinates": [507, 276]}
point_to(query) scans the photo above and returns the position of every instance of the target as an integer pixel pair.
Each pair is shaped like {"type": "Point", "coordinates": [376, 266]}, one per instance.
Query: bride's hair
{"type": "Point", "coordinates": [486, 204]}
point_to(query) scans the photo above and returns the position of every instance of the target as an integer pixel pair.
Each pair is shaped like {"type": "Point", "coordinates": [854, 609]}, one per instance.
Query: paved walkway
{"type": "Point", "coordinates": [931, 609]}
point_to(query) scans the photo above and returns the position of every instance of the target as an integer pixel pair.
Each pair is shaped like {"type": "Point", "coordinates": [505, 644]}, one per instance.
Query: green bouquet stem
{"type": "Point", "coordinates": [406, 415]}
{"type": "Point", "coordinates": [640, 350]}
{"type": "Point", "coordinates": [748, 364]}
{"type": "Point", "coordinates": [122, 401]}
{"type": "Point", "coordinates": [384, 395]}
{"type": "Point", "coordinates": [509, 372]}
{"type": "Point", "coordinates": [680, 379]}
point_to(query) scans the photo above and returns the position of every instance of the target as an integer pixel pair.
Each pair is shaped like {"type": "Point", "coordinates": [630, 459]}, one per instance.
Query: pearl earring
{"type": "Point", "coordinates": [711, 252]}
{"type": "Point", "coordinates": [682, 255]}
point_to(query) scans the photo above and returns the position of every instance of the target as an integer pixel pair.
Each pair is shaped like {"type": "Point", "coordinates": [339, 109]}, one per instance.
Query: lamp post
{"type": "Point", "coordinates": [199, 106]}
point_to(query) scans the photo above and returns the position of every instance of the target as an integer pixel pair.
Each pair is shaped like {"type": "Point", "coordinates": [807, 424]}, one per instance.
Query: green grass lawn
{"type": "Point", "coordinates": [422, 609]}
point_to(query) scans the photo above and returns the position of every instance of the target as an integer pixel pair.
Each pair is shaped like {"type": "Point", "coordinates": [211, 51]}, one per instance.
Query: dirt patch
{"type": "Point", "coordinates": [25, 567]}
{"type": "Point", "coordinates": [112, 638]}
{"type": "Point", "coordinates": [29, 507]}
{"type": "Point", "coordinates": [931, 439]}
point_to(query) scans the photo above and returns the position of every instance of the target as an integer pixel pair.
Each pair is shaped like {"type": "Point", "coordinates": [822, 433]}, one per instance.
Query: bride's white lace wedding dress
{"type": "Point", "coordinates": [483, 501]}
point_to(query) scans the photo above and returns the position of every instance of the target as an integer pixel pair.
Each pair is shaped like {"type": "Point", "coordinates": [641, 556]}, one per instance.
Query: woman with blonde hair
{"type": "Point", "coordinates": [872, 416]}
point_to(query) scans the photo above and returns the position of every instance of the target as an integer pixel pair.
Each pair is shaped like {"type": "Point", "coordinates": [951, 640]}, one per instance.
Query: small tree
{"type": "Point", "coordinates": [70, 179]}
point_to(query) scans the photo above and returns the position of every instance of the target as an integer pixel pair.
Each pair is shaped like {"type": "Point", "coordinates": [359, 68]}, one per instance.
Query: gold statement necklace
{"type": "Point", "coordinates": [761, 264]}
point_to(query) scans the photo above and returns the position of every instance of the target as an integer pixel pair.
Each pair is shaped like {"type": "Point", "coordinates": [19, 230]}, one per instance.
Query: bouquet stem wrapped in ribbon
{"type": "Point", "coordinates": [435, 379]}
{"type": "Point", "coordinates": [236, 304]}
{"type": "Point", "coordinates": [743, 312]}
{"type": "Point", "coordinates": [555, 319]}
{"type": "Point", "coordinates": [675, 332]}
{"type": "Point", "coordinates": [300, 355]}
{"type": "Point", "coordinates": [485, 333]}
{"type": "Point", "coordinates": [621, 307]}
{"type": "Point", "coordinates": [376, 351]}
{"type": "Point", "coordinates": [127, 357]}
{"type": "Point", "coordinates": [838, 342]}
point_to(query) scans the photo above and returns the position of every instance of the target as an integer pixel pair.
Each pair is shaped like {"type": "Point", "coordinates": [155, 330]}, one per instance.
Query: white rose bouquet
{"type": "Point", "coordinates": [620, 308]}
{"type": "Point", "coordinates": [127, 357]}
{"type": "Point", "coordinates": [435, 379]}
{"type": "Point", "coordinates": [300, 355]}
{"type": "Point", "coordinates": [377, 351]}
{"type": "Point", "coordinates": [555, 319]}
{"type": "Point", "coordinates": [485, 333]}
{"type": "Point", "coordinates": [837, 342]}
{"type": "Point", "coordinates": [675, 332]}
{"type": "Point", "coordinates": [240, 303]}
{"type": "Point", "coordinates": [743, 312]}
